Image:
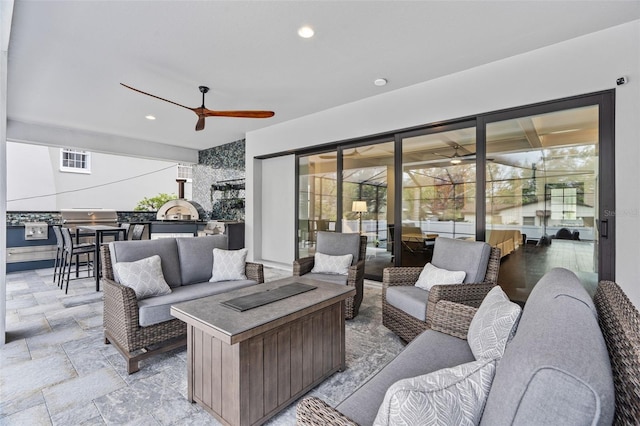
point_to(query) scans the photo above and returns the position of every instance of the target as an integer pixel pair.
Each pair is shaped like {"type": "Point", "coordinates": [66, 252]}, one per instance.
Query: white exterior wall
{"type": "Point", "coordinates": [583, 65]}
{"type": "Point", "coordinates": [115, 182]}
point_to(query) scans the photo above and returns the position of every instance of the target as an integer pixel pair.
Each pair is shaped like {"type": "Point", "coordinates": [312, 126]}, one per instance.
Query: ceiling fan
{"type": "Point", "coordinates": [455, 158]}
{"type": "Point", "coordinates": [203, 112]}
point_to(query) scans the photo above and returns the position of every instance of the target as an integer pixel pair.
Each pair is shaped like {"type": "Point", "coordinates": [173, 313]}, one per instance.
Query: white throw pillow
{"type": "Point", "coordinates": [228, 265]}
{"type": "Point", "coordinates": [432, 275]}
{"type": "Point", "coordinates": [326, 264]}
{"type": "Point", "coordinates": [144, 276]}
{"type": "Point", "coordinates": [493, 325]}
{"type": "Point", "coordinates": [451, 396]}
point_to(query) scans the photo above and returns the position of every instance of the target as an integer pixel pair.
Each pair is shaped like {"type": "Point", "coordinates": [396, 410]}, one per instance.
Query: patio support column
{"type": "Point", "coordinates": [6, 14]}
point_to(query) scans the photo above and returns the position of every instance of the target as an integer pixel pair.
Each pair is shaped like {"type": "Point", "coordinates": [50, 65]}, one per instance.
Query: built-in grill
{"type": "Point", "coordinates": [71, 218]}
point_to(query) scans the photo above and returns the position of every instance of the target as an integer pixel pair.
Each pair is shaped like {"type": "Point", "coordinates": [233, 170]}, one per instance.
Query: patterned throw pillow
{"type": "Point", "coordinates": [326, 264]}
{"type": "Point", "coordinates": [144, 276]}
{"type": "Point", "coordinates": [493, 325]}
{"type": "Point", "coordinates": [432, 275]}
{"type": "Point", "coordinates": [451, 396]}
{"type": "Point", "coordinates": [228, 265]}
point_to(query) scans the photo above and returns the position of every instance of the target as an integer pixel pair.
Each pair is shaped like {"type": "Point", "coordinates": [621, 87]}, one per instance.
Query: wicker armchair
{"type": "Point", "coordinates": [326, 243]}
{"type": "Point", "coordinates": [620, 324]}
{"type": "Point", "coordinates": [121, 319]}
{"type": "Point", "coordinates": [407, 326]}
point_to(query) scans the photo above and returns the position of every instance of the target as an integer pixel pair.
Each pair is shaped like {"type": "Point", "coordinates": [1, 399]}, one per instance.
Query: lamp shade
{"type": "Point", "coordinates": [359, 206]}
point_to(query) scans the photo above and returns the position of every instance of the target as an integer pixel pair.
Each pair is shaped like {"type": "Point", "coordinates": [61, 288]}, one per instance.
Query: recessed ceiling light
{"type": "Point", "coordinates": [306, 32]}
{"type": "Point", "coordinates": [150, 117]}
{"type": "Point", "coordinates": [380, 81]}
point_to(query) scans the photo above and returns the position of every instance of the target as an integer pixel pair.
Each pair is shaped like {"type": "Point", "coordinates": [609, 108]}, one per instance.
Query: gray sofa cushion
{"type": "Point", "coordinates": [157, 309]}
{"type": "Point", "coordinates": [335, 244]}
{"type": "Point", "coordinates": [196, 257]}
{"type": "Point", "coordinates": [332, 278]}
{"type": "Point", "coordinates": [430, 351]}
{"type": "Point", "coordinates": [166, 248]}
{"type": "Point", "coordinates": [410, 299]}
{"type": "Point", "coordinates": [461, 255]}
{"type": "Point", "coordinates": [556, 370]}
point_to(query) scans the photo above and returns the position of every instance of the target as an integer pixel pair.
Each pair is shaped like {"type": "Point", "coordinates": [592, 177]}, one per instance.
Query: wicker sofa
{"type": "Point", "coordinates": [142, 328]}
{"type": "Point", "coordinates": [573, 360]}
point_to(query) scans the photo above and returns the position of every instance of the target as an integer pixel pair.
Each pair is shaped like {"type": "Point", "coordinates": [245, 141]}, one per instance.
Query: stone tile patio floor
{"type": "Point", "coordinates": [56, 370]}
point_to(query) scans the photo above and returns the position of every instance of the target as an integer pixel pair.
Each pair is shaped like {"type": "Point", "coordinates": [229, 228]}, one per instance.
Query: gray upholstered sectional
{"type": "Point", "coordinates": [186, 266]}
{"type": "Point", "coordinates": [556, 370]}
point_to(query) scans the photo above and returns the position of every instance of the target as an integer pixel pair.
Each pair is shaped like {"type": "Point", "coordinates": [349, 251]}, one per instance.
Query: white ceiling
{"type": "Point", "coordinates": [67, 58]}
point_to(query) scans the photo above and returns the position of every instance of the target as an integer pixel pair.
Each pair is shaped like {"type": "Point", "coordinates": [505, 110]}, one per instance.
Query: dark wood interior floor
{"type": "Point", "coordinates": [522, 269]}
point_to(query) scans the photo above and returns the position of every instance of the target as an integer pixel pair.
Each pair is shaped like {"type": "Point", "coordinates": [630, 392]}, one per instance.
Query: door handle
{"type": "Point", "coordinates": [604, 228]}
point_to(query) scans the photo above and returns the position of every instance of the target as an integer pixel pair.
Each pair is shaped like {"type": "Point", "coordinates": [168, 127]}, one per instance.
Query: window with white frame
{"type": "Point", "coordinates": [185, 171]}
{"type": "Point", "coordinates": [75, 161]}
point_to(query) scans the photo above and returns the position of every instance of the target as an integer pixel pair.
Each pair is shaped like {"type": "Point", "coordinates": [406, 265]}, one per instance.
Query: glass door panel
{"type": "Point", "coordinates": [318, 198]}
{"type": "Point", "coordinates": [367, 201]}
{"type": "Point", "coordinates": [438, 191]}
{"type": "Point", "coordinates": [542, 196]}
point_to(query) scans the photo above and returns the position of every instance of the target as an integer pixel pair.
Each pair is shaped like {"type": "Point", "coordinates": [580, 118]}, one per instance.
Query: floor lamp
{"type": "Point", "coordinates": [359, 207]}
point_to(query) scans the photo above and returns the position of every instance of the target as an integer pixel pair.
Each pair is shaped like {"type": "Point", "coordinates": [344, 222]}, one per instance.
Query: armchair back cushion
{"type": "Point", "coordinates": [338, 244]}
{"type": "Point", "coordinates": [196, 252]}
{"type": "Point", "coordinates": [131, 251]}
{"type": "Point", "coordinates": [458, 255]}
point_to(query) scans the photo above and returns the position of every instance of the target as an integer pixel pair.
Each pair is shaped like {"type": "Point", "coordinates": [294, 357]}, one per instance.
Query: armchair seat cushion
{"type": "Point", "coordinates": [332, 278]}
{"type": "Point", "coordinates": [418, 358]}
{"type": "Point", "coordinates": [157, 309]}
{"type": "Point", "coordinates": [409, 299]}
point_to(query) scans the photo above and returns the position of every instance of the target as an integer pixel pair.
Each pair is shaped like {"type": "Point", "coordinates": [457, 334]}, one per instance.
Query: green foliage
{"type": "Point", "coordinates": [154, 203]}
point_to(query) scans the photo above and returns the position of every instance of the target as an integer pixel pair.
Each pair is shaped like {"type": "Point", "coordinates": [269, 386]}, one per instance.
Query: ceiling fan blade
{"type": "Point", "coordinates": [238, 114]}
{"type": "Point", "coordinates": [157, 97]}
{"type": "Point", "coordinates": [200, 123]}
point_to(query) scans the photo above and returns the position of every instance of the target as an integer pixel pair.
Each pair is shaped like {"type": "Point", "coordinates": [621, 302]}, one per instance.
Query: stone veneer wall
{"type": "Point", "coordinates": [219, 165]}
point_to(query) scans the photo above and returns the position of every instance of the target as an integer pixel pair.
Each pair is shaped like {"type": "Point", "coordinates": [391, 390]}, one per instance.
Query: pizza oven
{"type": "Point", "coordinates": [180, 210]}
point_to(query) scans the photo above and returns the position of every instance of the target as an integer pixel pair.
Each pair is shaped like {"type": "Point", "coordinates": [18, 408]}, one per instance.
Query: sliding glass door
{"type": "Point", "coordinates": [367, 201]}
{"type": "Point", "coordinates": [317, 199]}
{"type": "Point", "coordinates": [542, 186]}
{"type": "Point", "coordinates": [534, 181]}
{"type": "Point", "coordinates": [438, 189]}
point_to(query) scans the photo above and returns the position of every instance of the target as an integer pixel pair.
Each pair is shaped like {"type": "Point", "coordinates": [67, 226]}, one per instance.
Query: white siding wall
{"type": "Point", "coordinates": [583, 65]}
{"type": "Point", "coordinates": [33, 170]}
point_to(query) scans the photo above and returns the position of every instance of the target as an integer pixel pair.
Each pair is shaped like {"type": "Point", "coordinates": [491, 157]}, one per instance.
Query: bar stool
{"type": "Point", "coordinates": [137, 232]}
{"type": "Point", "coordinates": [127, 228]}
{"type": "Point", "coordinates": [76, 250]}
{"type": "Point", "coordinates": [57, 267]}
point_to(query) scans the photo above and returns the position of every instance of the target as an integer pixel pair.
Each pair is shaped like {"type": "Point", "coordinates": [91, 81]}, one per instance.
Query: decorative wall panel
{"type": "Point", "coordinates": [220, 167]}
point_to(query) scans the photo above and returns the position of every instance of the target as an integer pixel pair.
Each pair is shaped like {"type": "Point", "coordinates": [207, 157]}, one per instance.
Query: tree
{"type": "Point", "coordinates": [154, 203]}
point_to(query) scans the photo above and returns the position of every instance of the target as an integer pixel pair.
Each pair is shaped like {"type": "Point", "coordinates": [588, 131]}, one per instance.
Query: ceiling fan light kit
{"type": "Point", "coordinates": [202, 112]}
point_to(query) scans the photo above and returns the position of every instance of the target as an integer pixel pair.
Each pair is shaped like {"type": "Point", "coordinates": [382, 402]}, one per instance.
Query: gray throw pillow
{"type": "Point", "coordinates": [451, 396]}
{"type": "Point", "coordinates": [493, 325]}
{"type": "Point", "coordinates": [432, 275]}
{"type": "Point", "coordinates": [144, 276]}
{"type": "Point", "coordinates": [228, 265]}
{"type": "Point", "coordinates": [326, 264]}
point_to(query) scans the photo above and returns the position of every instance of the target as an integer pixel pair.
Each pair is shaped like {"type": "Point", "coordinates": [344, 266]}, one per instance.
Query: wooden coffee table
{"type": "Point", "coordinates": [244, 367]}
